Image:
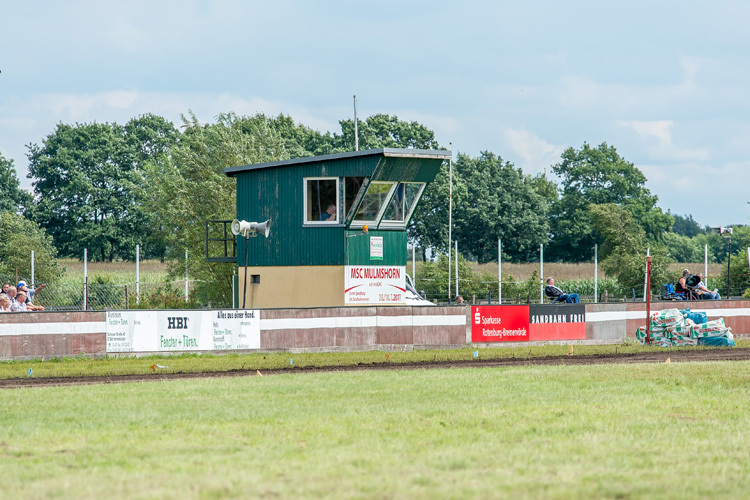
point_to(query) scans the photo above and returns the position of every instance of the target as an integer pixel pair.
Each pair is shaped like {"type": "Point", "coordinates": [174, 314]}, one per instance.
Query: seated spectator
{"type": "Point", "coordinates": [6, 285]}
{"type": "Point", "coordinates": [703, 292]}
{"type": "Point", "coordinates": [4, 302]}
{"type": "Point", "coordinates": [681, 287]}
{"type": "Point", "coordinates": [11, 294]}
{"type": "Point", "coordinates": [460, 301]}
{"type": "Point", "coordinates": [31, 292]}
{"type": "Point", "coordinates": [552, 292]}
{"type": "Point", "coordinates": [29, 305]}
{"type": "Point", "coordinates": [19, 305]}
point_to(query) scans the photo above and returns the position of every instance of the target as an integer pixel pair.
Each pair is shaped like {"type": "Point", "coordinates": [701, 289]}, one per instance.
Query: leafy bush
{"type": "Point", "coordinates": [163, 298]}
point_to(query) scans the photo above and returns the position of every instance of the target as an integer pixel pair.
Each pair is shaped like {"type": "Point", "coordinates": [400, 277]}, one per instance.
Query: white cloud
{"type": "Point", "coordinates": [665, 148]}
{"type": "Point", "coordinates": [714, 195]}
{"type": "Point", "coordinates": [535, 153]}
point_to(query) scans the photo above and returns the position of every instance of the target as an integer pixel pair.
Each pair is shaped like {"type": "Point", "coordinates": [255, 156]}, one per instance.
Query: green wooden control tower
{"type": "Point", "coordinates": [337, 226]}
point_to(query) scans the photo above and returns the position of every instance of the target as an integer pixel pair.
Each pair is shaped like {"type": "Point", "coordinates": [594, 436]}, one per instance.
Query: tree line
{"type": "Point", "coordinates": [107, 187]}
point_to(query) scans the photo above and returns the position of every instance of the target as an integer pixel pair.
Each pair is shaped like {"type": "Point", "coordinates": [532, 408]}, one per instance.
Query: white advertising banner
{"type": "Point", "coordinates": [154, 331]}
{"type": "Point", "coordinates": [374, 285]}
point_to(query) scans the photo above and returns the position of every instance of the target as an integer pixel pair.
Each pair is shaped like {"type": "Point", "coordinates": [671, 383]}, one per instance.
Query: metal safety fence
{"type": "Point", "coordinates": [100, 297]}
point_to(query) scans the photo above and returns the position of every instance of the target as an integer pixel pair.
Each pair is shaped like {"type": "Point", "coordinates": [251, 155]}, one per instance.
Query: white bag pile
{"type": "Point", "coordinates": [672, 328]}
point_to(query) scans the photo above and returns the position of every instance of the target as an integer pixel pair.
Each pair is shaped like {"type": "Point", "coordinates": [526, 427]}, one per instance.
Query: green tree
{"type": "Point", "coordinates": [623, 251]}
{"type": "Point", "coordinates": [682, 248]}
{"type": "Point", "coordinates": [718, 245]}
{"type": "Point", "coordinates": [188, 187]}
{"type": "Point", "coordinates": [428, 227]}
{"type": "Point", "coordinates": [384, 131]}
{"type": "Point", "coordinates": [686, 225]}
{"type": "Point", "coordinates": [18, 237]}
{"type": "Point", "coordinates": [12, 198]}
{"type": "Point", "coordinates": [599, 175]}
{"type": "Point", "coordinates": [86, 180]}
{"type": "Point", "coordinates": [501, 202]}
{"type": "Point", "coordinates": [739, 275]}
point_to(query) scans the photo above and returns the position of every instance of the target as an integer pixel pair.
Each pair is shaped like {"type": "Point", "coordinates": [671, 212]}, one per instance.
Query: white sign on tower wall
{"type": "Point", "coordinates": [374, 285]}
{"type": "Point", "coordinates": [376, 248]}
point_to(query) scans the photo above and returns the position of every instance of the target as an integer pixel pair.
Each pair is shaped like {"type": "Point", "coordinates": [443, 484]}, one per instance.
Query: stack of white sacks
{"type": "Point", "coordinates": [675, 328]}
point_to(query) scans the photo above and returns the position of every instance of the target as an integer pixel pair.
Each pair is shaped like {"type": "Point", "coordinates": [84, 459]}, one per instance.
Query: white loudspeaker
{"type": "Point", "coordinates": [263, 228]}
{"type": "Point", "coordinates": [251, 228]}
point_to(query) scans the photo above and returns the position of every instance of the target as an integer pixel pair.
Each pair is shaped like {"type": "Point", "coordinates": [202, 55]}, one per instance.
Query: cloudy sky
{"type": "Point", "coordinates": [667, 83]}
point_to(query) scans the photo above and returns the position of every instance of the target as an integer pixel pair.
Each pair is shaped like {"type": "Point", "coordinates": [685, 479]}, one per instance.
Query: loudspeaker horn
{"type": "Point", "coordinates": [246, 228]}
{"type": "Point", "coordinates": [263, 228]}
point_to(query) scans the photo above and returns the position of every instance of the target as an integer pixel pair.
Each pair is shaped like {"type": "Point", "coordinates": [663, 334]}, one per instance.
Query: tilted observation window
{"type": "Point", "coordinates": [374, 203]}
{"type": "Point", "coordinates": [321, 200]}
{"type": "Point", "coordinates": [402, 203]}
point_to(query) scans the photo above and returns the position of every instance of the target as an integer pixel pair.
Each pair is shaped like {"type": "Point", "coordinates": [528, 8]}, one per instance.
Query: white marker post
{"type": "Point", "coordinates": [85, 279]}
{"type": "Point", "coordinates": [541, 273]}
{"type": "Point", "coordinates": [499, 272]}
{"type": "Point", "coordinates": [456, 268]}
{"type": "Point", "coordinates": [137, 274]}
{"type": "Point", "coordinates": [186, 276]}
{"type": "Point", "coordinates": [596, 272]}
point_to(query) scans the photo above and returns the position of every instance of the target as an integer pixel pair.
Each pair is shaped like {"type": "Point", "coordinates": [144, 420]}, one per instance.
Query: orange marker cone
{"type": "Point", "coordinates": [153, 367]}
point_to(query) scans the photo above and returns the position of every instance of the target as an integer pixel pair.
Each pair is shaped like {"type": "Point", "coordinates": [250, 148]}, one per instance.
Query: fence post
{"type": "Point", "coordinates": [137, 274]}
{"type": "Point", "coordinates": [186, 276]}
{"type": "Point", "coordinates": [127, 299]}
{"type": "Point", "coordinates": [456, 268]}
{"type": "Point", "coordinates": [414, 264]}
{"type": "Point", "coordinates": [499, 272]}
{"type": "Point", "coordinates": [596, 272]}
{"type": "Point", "coordinates": [32, 270]}
{"type": "Point", "coordinates": [541, 274]}
{"type": "Point", "coordinates": [705, 262]}
{"type": "Point", "coordinates": [85, 279]}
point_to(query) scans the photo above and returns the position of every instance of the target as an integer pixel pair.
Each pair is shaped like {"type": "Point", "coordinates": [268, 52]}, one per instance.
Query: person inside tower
{"type": "Point", "coordinates": [330, 214]}
{"type": "Point", "coordinates": [557, 295]}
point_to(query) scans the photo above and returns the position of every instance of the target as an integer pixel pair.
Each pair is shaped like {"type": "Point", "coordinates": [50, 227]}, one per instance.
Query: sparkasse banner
{"type": "Point", "coordinates": [499, 323]}
{"type": "Point", "coordinates": [528, 323]}
{"type": "Point", "coordinates": [178, 330]}
{"type": "Point", "coordinates": [374, 285]}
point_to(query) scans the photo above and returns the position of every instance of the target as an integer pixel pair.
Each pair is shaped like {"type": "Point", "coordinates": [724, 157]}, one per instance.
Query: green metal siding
{"type": "Point", "coordinates": [277, 194]}
{"type": "Point", "coordinates": [358, 248]}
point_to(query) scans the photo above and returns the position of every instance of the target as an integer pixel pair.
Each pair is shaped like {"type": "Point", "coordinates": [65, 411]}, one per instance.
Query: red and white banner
{"type": "Point", "coordinates": [499, 323]}
{"type": "Point", "coordinates": [374, 285]}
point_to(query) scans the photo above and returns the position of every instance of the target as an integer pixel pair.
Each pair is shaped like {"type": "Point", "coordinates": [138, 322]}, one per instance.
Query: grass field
{"type": "Point", "coordinates": [151, 271]}
{"type": "Point", "coordinates": [602, 431]}
{"type": "Point", "coordinates": [194, 363]}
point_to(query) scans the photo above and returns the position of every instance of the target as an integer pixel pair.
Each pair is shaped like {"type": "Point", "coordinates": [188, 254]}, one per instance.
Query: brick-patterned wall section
{"type": "Point", "coordinates": [44, 335]}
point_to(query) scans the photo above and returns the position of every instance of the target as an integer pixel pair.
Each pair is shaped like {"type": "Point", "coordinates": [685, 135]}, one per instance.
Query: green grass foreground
{"type": "Point", "coordinates": [195, 363]}
{"type": "Point", "coordinates": [676, 430]}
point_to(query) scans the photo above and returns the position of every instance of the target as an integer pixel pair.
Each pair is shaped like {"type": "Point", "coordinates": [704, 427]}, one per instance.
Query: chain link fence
{"type": "Point", "coordinates": [100, 297]}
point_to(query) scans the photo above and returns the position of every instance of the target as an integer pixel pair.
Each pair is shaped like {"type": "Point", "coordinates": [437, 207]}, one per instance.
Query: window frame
{"type": "Point", "coordinates": [306, 222]}
{"type": "Point", "coordinates": [407, 216]}
{"type": "Point", "coordinates": [361, 223]}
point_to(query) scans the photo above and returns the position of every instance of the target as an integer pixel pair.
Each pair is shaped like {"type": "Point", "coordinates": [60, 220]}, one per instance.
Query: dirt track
{"type": "Point", "coordinates": [721, 354]}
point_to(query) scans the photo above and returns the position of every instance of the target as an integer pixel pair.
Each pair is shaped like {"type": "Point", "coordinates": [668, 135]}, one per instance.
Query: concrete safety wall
{"type": "Point", "coordinates": [47, 335]}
